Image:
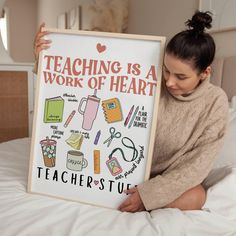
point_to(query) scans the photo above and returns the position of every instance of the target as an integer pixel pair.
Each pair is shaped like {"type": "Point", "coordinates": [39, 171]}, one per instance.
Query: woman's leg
{"type": "Point", "coordinates": [193, 199]}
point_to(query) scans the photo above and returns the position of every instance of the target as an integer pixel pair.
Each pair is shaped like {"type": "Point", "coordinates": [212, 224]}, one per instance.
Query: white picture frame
{"type": "Point", "coordinates": [62, 21]}
{"type": "Point", "coordinates": [95, 115]}
{"type": "Point", "coordinates": [74, 18]}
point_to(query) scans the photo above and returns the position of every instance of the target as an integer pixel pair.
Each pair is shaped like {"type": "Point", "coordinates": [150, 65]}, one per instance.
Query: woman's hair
{"type": "Point", "coordinates": [194, 44]}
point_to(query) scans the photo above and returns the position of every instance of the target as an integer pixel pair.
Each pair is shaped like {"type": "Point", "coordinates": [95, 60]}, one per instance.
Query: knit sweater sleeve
{"type": "Point", "coordinates": [192, 167]}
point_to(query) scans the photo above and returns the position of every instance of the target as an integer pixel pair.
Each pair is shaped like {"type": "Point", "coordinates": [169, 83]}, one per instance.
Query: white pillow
{"type": "Point", "coordinates": [232, 109]}
{"type": "Point", "coordinates": [226, 159]}
{"type": "Point", "coordinates": [227, 155]}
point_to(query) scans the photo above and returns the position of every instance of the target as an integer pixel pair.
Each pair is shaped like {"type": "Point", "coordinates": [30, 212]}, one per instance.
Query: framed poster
{"type": "Point", "coordinates": [61, 21]}
{"type": "Point", "coordinates": [74, 18]}
{"type": "Point", "coordinates": [95, 115]}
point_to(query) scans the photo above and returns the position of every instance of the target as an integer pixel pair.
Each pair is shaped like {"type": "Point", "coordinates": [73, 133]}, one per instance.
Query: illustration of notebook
{"type": "Point", "coordinates": [53, 110]}
{"type": "Point", "coordinates": [112, 110]}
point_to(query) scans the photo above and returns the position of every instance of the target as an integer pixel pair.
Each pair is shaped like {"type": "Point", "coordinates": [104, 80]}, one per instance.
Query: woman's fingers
{"type": "Point", "coordinates": [39, 33]}
{"type": "Point", "coordinates": [40, 28]}
{"type": "Point", "coordinates": [131, 190]}
{"type": "Point", "coordinates": [40, 37]}
{"type": "Point", "coordinates": [39, 48]}
{"type": "Point", "coordinates": [40, 42]}
{"type": "Point", "coordinates": [128, 208]}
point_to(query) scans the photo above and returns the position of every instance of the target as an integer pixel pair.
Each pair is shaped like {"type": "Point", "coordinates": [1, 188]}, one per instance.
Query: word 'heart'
{"type": "Point", "coordinates": [96, 182]}
{"type": "Point", "coordinates": [101, 48]}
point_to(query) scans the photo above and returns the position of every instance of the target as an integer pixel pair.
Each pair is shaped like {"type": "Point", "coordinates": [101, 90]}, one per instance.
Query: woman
{"type": "Point", "coordinates": [191, 123]}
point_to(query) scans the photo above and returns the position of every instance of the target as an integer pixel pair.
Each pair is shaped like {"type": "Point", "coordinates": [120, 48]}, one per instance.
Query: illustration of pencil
{"type": "Point", "coordinates": [133, 117]}
{"type": "Point", "coordinates": [128, 116]}
{"type": "Point", "coordinates": [97, 137]}
{"type": "Point", "coordinates": [69, 118]}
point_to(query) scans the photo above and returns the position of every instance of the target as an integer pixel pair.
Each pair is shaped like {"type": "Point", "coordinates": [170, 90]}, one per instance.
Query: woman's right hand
{"type": "Point", "coordinates": [39, 42]}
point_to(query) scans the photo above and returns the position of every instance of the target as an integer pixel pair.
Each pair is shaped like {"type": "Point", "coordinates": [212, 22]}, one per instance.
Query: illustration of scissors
{"type": "Point", "coordinates": [114, 134]}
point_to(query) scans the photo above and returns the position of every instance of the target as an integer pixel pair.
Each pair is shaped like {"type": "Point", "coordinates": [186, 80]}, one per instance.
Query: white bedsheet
{"type": "Point", "coordinates": [24, 214]}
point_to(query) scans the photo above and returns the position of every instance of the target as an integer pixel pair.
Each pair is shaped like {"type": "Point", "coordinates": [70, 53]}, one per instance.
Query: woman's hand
{"type": "Point", "coordinates": [39, 42]}
{"type": "Point", "coordinates": [133, 203]}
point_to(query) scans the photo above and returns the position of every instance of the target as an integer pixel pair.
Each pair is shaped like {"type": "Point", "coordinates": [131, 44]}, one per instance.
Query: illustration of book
{"type": "Point", "coordinates": [112, 110]}
{"type": "Point", "coordinates": [53, 110]}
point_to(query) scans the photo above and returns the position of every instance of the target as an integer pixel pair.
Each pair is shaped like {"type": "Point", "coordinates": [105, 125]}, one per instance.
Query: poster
{"type": "Point", "coordinates": [95, 115]}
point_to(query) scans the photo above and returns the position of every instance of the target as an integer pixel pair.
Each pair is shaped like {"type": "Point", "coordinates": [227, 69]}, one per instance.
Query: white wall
{"type": "Point", "coordinates": [48, 10]}
{"type": "Point", "coordinates": [159, 17]}
{"type": "Point", "coordinates": [167, 17]}
{"type": "Point", "coordinates": [225, 43]}
{"type": "Point", "coordinates": [152, 17]}
{"type": "Point", "coordinates": [22, 17]}
{"type": "Point", "coordinates": [145, 16]}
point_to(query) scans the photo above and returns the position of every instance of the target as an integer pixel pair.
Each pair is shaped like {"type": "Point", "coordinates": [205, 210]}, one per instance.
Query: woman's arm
{"type": "Point", "coordinates": [190, 169]}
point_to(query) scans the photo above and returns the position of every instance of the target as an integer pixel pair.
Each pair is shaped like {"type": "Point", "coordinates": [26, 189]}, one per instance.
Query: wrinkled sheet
{"type": "Point", "coordinates": [25, 214]}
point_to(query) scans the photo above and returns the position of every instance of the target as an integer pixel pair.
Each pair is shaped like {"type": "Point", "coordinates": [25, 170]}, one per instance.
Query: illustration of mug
{"type": "Point", "coordinates": [49, 152]}
{"type": "Point", "coordinates": [76, 160]}
{"type": "Point", "coordinates": [90, 111]}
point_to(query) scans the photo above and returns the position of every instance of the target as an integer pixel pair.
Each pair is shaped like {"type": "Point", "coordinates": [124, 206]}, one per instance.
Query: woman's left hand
{"type": "Point", "coordinates": [133, 203]}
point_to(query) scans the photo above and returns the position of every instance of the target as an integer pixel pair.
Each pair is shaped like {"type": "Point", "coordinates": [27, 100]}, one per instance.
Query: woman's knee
{"type": "Point", "coordinates": [193, 199]}
{"type": "Point", "coordinates": [200, 196]}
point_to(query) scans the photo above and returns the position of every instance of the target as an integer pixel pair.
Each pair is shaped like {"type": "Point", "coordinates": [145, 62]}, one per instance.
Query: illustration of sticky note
{"type": "Point", "coordinates": [75, 141]}
{"type": "Point", "coordinates": [112, 110]}
{"type": "Point", "coordinates": [53, 110]}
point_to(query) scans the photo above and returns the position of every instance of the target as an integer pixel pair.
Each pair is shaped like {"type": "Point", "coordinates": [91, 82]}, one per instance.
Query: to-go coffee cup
{"type": "Point", "coordinates": [49, 152]}
{"type": "Point", "coordinates": [90, 111]}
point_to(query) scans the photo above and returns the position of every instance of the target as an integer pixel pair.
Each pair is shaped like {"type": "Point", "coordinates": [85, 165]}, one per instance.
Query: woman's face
{"type": "Point", "coordinates": [180, 77]}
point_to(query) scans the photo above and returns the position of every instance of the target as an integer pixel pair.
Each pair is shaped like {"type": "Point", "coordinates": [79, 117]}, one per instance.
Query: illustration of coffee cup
{"type": "Point", "coordinates": [90, 111]}
{"type": "Point", "coordinates": [49, 152]}
{"type": "Point", "coordinates": [76, 160]}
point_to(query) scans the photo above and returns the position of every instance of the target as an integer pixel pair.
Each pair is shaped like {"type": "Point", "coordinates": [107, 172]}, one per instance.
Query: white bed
{"type": "Point", "coordinates": [24, 214]}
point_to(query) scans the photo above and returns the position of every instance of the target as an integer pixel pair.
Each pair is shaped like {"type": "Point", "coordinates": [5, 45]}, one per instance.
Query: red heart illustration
{"type": "Point", "coordinates": [96, 182]}
{"type": "Point", "coordinates": [101, 48]}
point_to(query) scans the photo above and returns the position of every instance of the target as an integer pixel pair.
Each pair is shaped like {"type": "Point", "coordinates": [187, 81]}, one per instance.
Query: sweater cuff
{"type": "Point", "coordinates": [146, 190]}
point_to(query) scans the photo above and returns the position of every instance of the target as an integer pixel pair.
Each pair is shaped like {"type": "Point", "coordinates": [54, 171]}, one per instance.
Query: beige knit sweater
{"type": "Point", "coordinates": [189, 134]}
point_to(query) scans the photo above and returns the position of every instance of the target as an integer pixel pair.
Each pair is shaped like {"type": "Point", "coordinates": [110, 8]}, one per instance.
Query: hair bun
{"type": "Point", "coordinates": [200, 21]}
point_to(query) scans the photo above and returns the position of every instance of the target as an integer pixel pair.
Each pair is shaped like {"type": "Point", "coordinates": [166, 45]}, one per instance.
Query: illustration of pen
{"type": "Point", "coordinates": [129, 115]}
{"type": "Point", "coordinates": [97, 137]}
{"type": "Point", "coordinates": [69, 118]}
{"type": "Point", "coordinates": [133, 117]}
